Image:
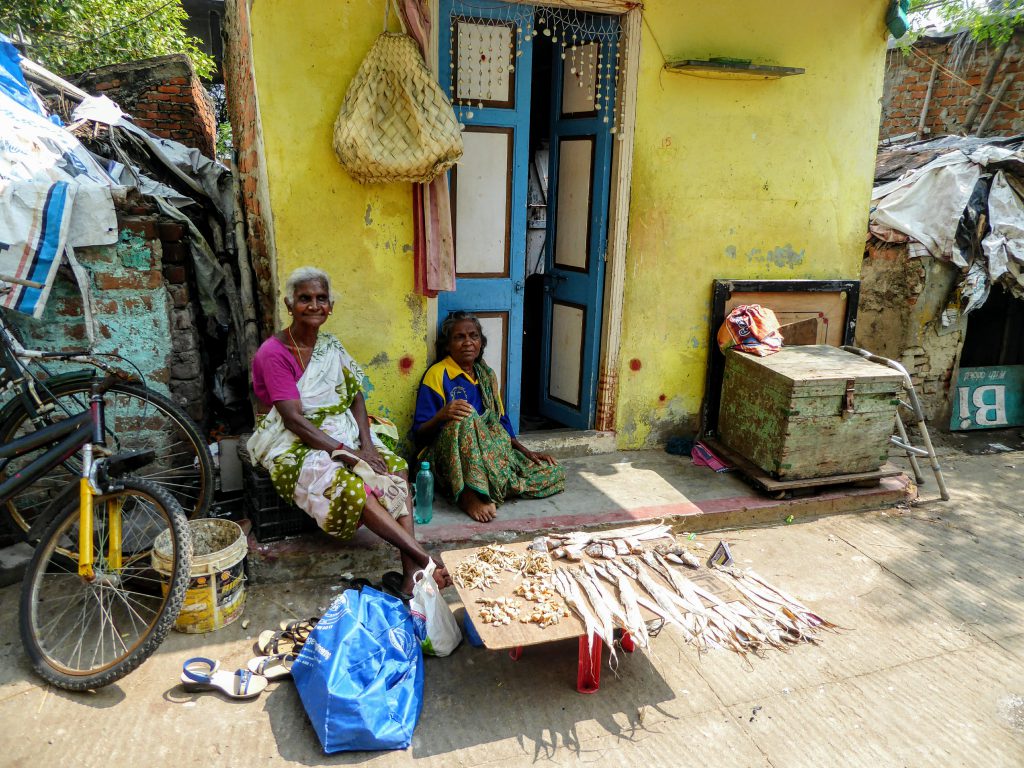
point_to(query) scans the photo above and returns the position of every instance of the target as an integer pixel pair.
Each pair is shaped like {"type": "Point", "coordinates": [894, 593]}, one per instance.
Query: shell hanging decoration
{"type": "Point", "coordinates": [483, 54]}
{"type": "Point", "coordinates": [396, 124]}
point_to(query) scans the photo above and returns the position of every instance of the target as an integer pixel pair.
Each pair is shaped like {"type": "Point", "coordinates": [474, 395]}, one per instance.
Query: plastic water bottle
{"type": "Point", "coordinates": [424, 503]}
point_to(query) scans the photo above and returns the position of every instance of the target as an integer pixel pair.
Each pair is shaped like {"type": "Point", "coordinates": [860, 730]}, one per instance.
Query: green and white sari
{"type": "Point", "coordinates": [328, 491]}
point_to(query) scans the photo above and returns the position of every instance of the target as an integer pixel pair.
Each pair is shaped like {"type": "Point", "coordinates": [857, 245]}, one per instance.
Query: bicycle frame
{"type": "Point", "coordinates": [82, 432]}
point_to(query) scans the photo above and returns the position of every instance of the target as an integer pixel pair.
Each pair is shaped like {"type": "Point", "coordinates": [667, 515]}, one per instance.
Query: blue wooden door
{"type": "Point", "coordinates": [486, 65]}
{"type": "Point", "coordinates": [583, 114]}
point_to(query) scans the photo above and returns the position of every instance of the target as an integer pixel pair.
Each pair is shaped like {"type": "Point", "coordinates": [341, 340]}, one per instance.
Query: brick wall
{"type": "Point", "coordinates": [163, 95]}
{"type": "Point", "coordinates": [963, 66]}
{"type": "Point", "coordinates": [900, 302]}
{"type": "Point", "coordinates": [140, 289]}
{"type": "Point", "coordinates": [243, 108]}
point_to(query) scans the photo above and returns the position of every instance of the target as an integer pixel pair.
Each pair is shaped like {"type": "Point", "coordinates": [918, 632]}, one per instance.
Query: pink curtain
{"type": "Point", "coordinates": [434, 246]}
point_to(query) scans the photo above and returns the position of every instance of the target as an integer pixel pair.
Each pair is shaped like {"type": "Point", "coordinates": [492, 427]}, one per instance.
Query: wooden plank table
{"type": "Point", "coordinates": [517, 635]}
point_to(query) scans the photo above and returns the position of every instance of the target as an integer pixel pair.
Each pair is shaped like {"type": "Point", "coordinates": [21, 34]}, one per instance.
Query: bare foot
{"type": "Point", "coordinates": [481, 510]}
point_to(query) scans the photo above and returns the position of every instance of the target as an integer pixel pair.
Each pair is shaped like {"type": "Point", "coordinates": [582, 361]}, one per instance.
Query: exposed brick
{"type": "Point", "coordinates": [138, 280]}
{"type": "Point", "coordinates": [145, 228]}
{"type": "Point", "coordinates": [175, 273]}
{"type": "Point", "coordinates": [179, 295]}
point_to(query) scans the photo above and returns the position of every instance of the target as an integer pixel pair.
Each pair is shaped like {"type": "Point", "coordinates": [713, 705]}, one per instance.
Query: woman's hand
{"type": "Point", "coordinates": [539, 458]}
{"type": "Point", "coordinates": [456, 410]}
{"type": "Point", "coordinates": [372, 456]}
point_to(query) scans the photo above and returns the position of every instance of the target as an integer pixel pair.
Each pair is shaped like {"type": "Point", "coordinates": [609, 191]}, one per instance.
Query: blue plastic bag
{"type": "Point", "coordinates": [360, 673]}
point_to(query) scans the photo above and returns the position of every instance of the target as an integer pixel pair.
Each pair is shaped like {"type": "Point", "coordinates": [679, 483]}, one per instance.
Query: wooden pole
{"type": "Point", "coordinates": [994, 106]}
{"type": "Point", "coordinates": [927, 100]}
{"type": "Point", "coordinates": [972, 113]}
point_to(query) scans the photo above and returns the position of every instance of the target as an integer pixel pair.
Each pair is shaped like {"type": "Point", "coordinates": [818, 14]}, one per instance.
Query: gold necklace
{"type": "Point", "coordinates": [295, 349]}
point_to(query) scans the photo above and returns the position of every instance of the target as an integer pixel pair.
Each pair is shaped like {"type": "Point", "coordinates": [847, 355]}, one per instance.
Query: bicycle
{"type": "Point", "coordinates": [92, 607]}
{"type": "Point", "coordinates": [136, 417]}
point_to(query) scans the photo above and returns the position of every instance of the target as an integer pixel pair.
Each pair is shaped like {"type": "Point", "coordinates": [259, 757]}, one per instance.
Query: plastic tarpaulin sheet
{"type": "Point", "coordinates": [360, 673]}
{"type": "Point", "coordinates": [53, 194]}
{"type": "Point", "coordinates": [1004, 244]}
{"type": "Point", "coordinates": [926, 205]}
{"type": "Point", "coordinates": [12, 81]}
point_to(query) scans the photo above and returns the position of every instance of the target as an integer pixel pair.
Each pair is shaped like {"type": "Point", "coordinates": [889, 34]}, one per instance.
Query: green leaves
{"type": "Point", "coordinates": [991, 20]}
{"type": "Point", "coordinates": [72, 36]}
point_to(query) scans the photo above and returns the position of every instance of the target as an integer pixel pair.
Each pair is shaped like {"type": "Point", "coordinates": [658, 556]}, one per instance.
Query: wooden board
{"type": "Point", "coordinates": [517, 634]}
{"type": "Point", "coordinates": [768, 483]}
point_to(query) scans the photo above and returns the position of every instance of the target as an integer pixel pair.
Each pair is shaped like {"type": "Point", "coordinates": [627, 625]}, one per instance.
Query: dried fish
{"type": "Point", "coordinates": [472, 573]}
{"type": "Point", "coordinates": [536, 564]}
{"type": "Point", "coordinates": [499, 610]}
{"type": "Point", "coordinates": [679, 554]}
{"type": "Point", "coordinates": [545, 613]}
{"type": "Point", "coordinates": [566, 586]}
{"type": "Point", "coordinates": [601, 608]}
{"type": "Point", "coordinates": [621, 547]}
{"type": "Point", "coordinates": [631, 619]}
{"type": "Point", "coordinates": [540, 544]}
{"type": "Point", "coordinates": [536, 590]}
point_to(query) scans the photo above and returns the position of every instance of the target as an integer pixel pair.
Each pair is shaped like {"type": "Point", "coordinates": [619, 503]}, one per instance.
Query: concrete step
{"type": "Point", "coordinates": [569, 443]}
{"type": "Point", "coordinates": [601, 491]}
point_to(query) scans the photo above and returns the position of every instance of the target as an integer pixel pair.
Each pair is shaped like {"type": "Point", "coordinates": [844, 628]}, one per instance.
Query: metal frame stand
{"type": "Point", "coordinates": [901, 439]}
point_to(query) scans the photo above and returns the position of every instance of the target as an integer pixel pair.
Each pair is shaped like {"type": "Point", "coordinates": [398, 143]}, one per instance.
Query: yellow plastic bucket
{"type": "Point", "coordinates": [216, 590]}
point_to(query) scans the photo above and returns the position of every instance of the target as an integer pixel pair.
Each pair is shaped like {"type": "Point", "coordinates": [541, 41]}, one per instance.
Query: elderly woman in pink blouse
{"type": "Point", "coordinates": [316, 440]}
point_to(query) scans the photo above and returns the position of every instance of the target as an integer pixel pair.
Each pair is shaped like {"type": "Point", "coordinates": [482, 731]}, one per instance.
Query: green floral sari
{"type": "Point", "coordinates": [477, 453]}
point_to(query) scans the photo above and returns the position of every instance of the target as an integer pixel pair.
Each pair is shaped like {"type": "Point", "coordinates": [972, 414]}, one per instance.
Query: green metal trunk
{"type": "Point", "coordinates": [808, 412]}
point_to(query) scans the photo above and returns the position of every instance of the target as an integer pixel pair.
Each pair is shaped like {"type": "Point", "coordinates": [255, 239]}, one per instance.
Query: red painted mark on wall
{"type": "Point", "coordinates": [635, 364]}
{"type": "Point", "coordinates": [662, 398]}
{"type": "Point", "coordinates": [405, 365]}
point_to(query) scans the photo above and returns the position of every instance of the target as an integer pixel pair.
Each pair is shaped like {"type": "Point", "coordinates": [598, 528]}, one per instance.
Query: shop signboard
{"type": "Point", "coordinates": [989, 398]}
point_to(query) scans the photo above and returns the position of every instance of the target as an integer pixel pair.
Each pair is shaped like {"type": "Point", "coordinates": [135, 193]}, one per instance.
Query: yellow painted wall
{"type": "Point", "coordinates": [305, 54]}
{"type": "Point", "coordinates": [739, 179]}
{"type": "Point", "coordinates": [730, 179]}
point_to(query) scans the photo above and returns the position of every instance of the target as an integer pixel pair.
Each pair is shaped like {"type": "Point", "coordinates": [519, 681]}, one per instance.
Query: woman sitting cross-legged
{"type": "Point", "coordinates": [316, 440]}
{"type": "Point", "coordinates": [461, 425]}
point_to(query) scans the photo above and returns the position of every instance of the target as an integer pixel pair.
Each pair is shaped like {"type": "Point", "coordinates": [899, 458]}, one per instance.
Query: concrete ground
{"type": "Point", "coordinates": [928, 672]}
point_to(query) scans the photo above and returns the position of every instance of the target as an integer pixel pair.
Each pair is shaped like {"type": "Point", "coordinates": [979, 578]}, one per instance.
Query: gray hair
{"type": "Point", "coordinates": [444, 335]}
{"type": "Point", "coordinates": [305, 275]}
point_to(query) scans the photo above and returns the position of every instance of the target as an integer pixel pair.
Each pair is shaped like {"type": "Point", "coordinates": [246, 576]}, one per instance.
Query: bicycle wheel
{"type": "Point", "coordinates": [137, 418]}
{"type": "Point", "coordinates": [80, 634]}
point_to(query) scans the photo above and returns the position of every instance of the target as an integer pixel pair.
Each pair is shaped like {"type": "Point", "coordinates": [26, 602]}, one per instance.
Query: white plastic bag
{"type": "Point", "coordinates": [443, 633]}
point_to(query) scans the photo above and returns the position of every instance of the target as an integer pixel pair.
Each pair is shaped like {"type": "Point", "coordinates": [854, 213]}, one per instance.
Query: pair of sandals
{"type": "Point", "coordinates": [277, 649]}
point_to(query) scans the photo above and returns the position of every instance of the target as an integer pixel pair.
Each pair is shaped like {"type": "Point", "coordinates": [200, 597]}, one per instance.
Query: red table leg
{"type": "Point", "coordinates": [516, 653]}
{"type": "Point", "coordinates": [588, 677]}
{"type": "Point", "coordinates": [627, 642]}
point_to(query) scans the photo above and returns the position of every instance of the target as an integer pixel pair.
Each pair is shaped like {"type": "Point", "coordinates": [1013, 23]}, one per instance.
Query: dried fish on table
{"type": "Point", "coordinates": [544, 613]}
{"type": "Point", "coordinates": [602, 609]}
{"type": "Point", "coordinates": [633, 620]}
{"type": "Point", "coordinates": [677, 553]}
{"type": "Point", "coordinates": [542, 544]}
{"type": "Point", "coordinates": [601, 551]}
{"type": "Point", "coordinates": [536, 564]}
{"type": "Point", "coordinates": [501, 558]}
{"type": "Point", "coordinates": [472, 573]}
{"type": "Point", "coordinates": [536, 590]}
{"type": "Point", "coordinates": [567, 588]}
{"type": "Point", "coordinates": [499, 610]}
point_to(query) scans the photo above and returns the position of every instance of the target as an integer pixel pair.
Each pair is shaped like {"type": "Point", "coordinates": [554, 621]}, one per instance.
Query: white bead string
{"type": "Point", "coordinates": [589, 49]}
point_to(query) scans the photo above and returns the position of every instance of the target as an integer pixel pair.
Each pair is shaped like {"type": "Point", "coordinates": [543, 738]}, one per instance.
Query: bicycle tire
{"type": "Point", "coordinates": [194, 491]}
{"type": "Point", "coordinates": [51, 585]}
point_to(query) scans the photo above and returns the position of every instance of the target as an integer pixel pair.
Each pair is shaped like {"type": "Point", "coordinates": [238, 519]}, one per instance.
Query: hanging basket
{"type": "Point", "coordinates": [396, 123]}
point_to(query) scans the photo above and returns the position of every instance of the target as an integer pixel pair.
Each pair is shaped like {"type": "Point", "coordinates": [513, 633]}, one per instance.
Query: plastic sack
{"type": "Point", "coordinates": [443, 635]}
{"type": "Point", "coordinates": [360, 673]}
{"type": "Point", "coordinates": [751, 328]}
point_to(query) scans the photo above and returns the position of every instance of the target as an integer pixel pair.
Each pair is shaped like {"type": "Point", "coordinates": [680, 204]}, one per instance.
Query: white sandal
{"type": "Point", "coordinates": [201, 674]}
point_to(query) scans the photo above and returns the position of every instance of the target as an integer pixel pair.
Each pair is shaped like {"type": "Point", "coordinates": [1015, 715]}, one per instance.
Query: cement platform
{"type": "Point", "coordinates": [611, 489]}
